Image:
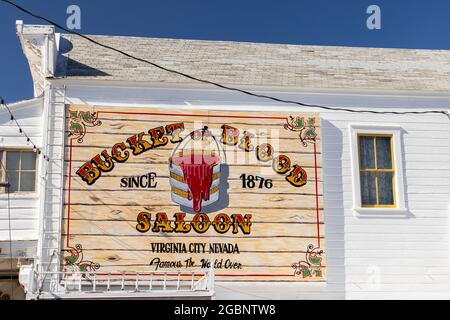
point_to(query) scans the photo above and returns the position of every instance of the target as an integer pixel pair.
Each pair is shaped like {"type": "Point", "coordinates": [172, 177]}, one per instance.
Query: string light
{"type": "Point", "coordinates": [21, 131]}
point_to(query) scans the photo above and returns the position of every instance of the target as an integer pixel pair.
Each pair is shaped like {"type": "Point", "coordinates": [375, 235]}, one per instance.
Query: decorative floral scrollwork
{"type": "Point", "coordinates": [73, 260]}
{"type": "Point", "coordinates": [79, 120]}
{"type": "Point", "coordinates": [305, 128]}
{"type": "Point", "coordinates": [312, 266]}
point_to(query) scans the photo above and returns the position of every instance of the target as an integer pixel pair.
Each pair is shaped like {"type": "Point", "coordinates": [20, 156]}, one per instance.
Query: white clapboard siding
{"type": "Point", "coordinates": [376, 257]}
{"type": "Point", "coordinates": [21, 210]}
{"type": "Point", "coordinates": [391, 257]}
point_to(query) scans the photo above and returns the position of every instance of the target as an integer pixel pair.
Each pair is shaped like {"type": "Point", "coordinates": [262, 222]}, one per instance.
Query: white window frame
{"type": "Point", "coordinates": [22, 194]}
{"type": "Point", "coordinates": [399, 192]}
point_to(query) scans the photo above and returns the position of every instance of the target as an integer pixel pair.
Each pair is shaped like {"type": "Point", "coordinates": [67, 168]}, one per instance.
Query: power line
{"type": "Point", "coordinates": [21, 131]}
{"type": "Point", "coordinates": [222, 86]}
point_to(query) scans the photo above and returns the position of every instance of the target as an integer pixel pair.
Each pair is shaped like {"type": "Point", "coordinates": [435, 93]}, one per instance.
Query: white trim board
{"type": "Point", "coordinates": [396, 132]}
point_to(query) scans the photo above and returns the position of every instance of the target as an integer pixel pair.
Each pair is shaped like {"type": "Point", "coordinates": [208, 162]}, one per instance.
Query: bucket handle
{"type": "Point", "coordinates": [189, 137]}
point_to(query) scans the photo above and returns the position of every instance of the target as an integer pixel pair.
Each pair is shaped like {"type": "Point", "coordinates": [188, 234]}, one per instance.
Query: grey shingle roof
{"type": "Point", "coordinates": [262, 65]}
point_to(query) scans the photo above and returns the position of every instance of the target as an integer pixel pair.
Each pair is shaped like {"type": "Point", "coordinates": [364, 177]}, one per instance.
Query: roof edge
{"type": "Point", "coordinates": [24, 103]}
{"type": "Point", "coordinates": [255, 88]}
{"type": "Point", "coordinates": [261, 43]}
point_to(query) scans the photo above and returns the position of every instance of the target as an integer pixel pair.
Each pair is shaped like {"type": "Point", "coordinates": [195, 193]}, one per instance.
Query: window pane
{"type": "Point", "coordinates": [385, 188]}
{"type": "Point", "coordinates": [368, 188]}
{"type": "Point", "coordinates": [27, 181]}
{"type": "Point", "coordinates": [28, 161]}
{"type": "Point", "coordinates": [366, 152]}
{"type": "Point", "coordinates": [13, 179]}
{"type": "Point", "coordinates": [384, 157]}
{"type": "Point", "coordinates": [12, 160]}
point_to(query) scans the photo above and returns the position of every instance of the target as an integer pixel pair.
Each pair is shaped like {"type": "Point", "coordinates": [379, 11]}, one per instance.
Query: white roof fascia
{"type": "Point", "coordinates": [40, 48]}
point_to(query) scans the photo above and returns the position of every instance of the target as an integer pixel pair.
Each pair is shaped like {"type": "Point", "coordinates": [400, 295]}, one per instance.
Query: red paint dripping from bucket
{"type": "Point", "coordinates": [198, 173]}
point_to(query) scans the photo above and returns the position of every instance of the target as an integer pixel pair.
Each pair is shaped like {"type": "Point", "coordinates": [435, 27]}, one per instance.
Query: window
{"type": "Point", "coordinates": [376, 170]}
{"type": "Point", "coordinates": [20, 170]}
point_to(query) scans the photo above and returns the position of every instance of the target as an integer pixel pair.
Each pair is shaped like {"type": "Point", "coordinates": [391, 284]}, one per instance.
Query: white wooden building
{"type": "Point", "coordinates": [382, 181]}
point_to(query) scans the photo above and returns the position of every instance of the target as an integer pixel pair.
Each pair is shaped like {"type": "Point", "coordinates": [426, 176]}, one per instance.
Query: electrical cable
{"type": "Point", "coordinates": [222, 86]}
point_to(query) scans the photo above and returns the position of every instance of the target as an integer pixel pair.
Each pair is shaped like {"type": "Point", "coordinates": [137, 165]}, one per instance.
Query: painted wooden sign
{"type": "Point", "coordinates": [152, 189]}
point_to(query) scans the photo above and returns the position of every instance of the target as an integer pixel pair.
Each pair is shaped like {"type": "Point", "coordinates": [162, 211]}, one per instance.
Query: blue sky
{"type": "Point", "coordinates": [405, 24]}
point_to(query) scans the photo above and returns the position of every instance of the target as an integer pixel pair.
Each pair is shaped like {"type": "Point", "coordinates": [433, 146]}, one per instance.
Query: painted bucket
{"type": "Point", "coordinates": [195, 174]}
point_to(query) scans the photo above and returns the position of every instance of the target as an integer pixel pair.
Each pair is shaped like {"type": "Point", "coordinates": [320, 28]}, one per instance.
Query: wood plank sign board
{"type": "Point", "coordinates": [153, 189]}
